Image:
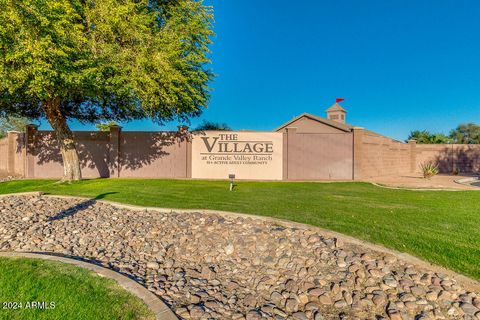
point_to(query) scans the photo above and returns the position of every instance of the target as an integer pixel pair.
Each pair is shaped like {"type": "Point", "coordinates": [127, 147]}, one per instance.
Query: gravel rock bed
{"type": "Point", "coordinates": [208, 266]}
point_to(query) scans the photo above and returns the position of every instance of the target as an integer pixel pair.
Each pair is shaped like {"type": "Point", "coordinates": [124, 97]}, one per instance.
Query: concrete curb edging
{"type": "Point", "coordinates": [418, 189]}
{"type": "Point", "coordinates": [467, 282]}
{"type": "Point", "coordinates": [160, 309]}
{"type": "Point", "coordinates": [467, 181]}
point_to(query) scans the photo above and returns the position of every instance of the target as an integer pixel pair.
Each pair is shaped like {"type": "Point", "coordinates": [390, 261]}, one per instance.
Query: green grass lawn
{"type": "Point", "coordinates": [75, 293]}
{"type": "Point", "coordinates": [442, 227]}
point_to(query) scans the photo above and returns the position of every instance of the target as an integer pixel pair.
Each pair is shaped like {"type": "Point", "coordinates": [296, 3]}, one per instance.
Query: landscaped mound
{"type": "Point", "coordinates": [231, 267]}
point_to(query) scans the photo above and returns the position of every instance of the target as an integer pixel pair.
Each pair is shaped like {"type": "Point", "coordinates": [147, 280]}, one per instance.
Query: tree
{"type": "Point", "coordinates": [106, 60]}
{"type": "Point", "coordinates": [421, 136]}
{"type": "Point", "coordinates": [12, 124]}
{"type": "Point", "coordinates": [208, 125]}
{"type": "Point", "coordinates": [439, 138]}
{"type": "Point", "coordinates": [426, 137]}
{"type": "Point", "coordinates": [105, 126]}
{"type": "Point", "coordinates": [468, 133]}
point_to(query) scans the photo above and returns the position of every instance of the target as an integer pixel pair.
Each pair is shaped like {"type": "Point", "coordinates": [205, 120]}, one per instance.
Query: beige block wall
{"type": "Point", "coordinates": [449, 157]}
{"type": "Point", "coordinates": [383, 156]}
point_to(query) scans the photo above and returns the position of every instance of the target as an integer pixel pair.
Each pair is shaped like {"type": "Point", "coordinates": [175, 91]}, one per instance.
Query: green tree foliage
{"type": "Point", "coordinates": [420, 136]}
{"type": "Point", "coordinates": [426, 137]}
{"type": "Point", "coordinates": [107, 60]}
{"type": "Point", "coordinates": [105, 126]}
{"type": "Point", "coordinates": [12, 124]}
{"type": "Point", "coordinates": [208, 125]}
{"type": "Point", "coordinates": [440, 138]}
{"type": "Point", "coordinates": [468, 133]}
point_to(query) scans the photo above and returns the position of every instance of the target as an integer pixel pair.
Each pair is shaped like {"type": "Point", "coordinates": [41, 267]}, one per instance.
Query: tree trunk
{"type": "Point", "coordinates": [71, 163]}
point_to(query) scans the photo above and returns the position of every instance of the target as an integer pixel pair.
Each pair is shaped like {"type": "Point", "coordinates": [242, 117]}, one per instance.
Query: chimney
{"type": "Point", "coordinates": [336, 112]}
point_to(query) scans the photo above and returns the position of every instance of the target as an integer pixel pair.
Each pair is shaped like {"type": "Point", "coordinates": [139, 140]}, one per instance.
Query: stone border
{"type": "Point", "coordinates": [468, 283]}
{"type": "Point", "coordinates": [159, 309]}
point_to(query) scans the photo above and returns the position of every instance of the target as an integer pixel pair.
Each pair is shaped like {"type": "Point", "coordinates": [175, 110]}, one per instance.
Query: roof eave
{"type": "Point", "coordinates": [324, 121]}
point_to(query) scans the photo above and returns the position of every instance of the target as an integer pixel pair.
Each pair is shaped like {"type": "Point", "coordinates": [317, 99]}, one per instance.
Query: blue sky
{"type": "Point", "coordinates": [400, 64]}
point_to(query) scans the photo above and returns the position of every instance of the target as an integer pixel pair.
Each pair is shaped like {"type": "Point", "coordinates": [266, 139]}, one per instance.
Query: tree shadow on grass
{"type": "Point", "coordinates": [79, 207]}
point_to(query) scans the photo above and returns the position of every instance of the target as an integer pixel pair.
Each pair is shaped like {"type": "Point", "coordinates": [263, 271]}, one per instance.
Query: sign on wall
{"type": "Point", "coordinates": [248, 155]}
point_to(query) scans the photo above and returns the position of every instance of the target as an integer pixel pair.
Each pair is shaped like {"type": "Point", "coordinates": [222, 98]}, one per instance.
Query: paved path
{"type": "Point", "coordinates": [209, 266]}
{"type": "Point", "coordinates": [416, 181]}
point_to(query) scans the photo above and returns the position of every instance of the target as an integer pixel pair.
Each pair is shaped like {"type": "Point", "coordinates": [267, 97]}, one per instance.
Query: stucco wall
{"type": "Point", "coordinates": [17, 148]}
{"type": "Point", "coordinates": [359, 154]}
{"type": "Point", "coordinates": [92, 149]}
{"type": "Point", "coordinates": [153, 155]}
{"type": "Point", "coordinates": [319, 156]}
{"type": "Point", "coordinates": [3, 155]}
{"type": "Point", "coordinates": [111, 154]}
{"type": "Point", "coordinates": [12, 154]}
{"type": "Point", "coordinates": [247, 155]}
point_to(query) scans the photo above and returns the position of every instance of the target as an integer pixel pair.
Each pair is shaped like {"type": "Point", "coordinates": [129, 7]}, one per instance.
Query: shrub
{"type": "Point", "coordinates": [429, 170]}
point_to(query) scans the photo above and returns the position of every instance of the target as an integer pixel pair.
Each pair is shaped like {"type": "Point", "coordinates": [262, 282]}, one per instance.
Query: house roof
{"type": "Point", "coordinates": [331, 123]}
{"type": "Point", "coordinates": [336, 107]}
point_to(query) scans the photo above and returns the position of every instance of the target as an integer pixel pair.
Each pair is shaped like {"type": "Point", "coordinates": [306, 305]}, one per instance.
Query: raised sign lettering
{"type": "Point", "coordinates": [248, 155]}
